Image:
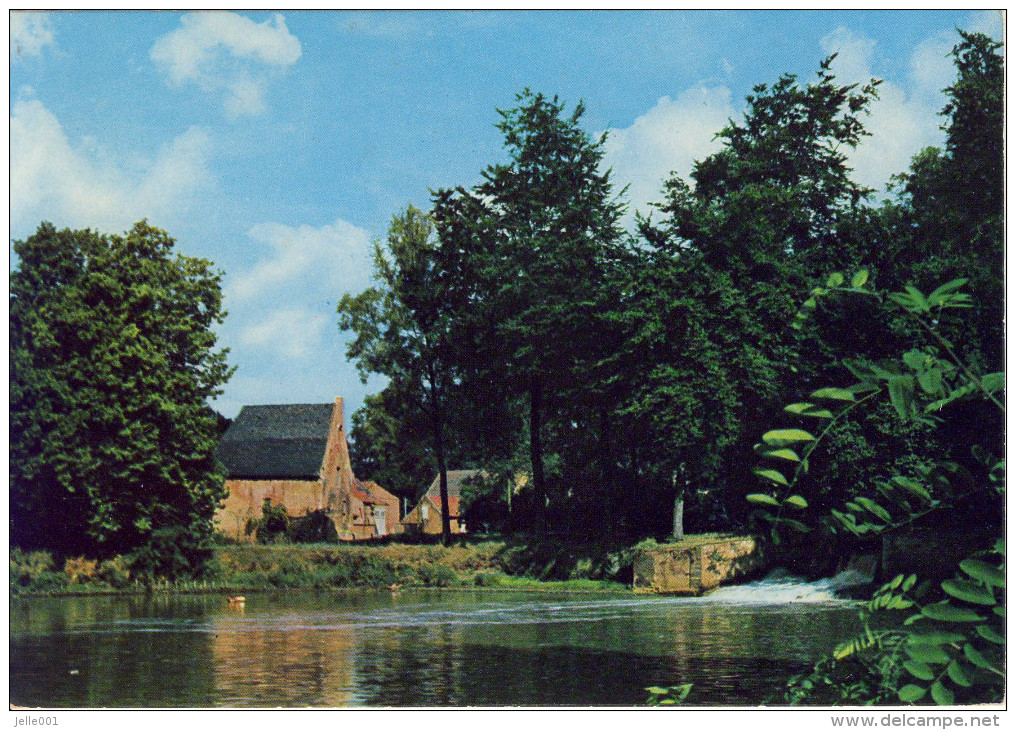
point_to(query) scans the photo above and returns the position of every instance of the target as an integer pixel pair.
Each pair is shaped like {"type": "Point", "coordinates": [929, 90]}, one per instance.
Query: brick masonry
{"type": "Point", "coordinates": [697, 568]}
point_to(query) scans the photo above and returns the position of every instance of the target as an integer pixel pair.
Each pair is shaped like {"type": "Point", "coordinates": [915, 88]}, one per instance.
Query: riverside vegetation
{"type": "Point", "coordinates": [514, 565]}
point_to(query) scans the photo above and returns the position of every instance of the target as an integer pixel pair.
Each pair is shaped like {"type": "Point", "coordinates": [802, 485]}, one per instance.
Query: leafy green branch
{"type": "Point", "coordinates": [664, 696]}
{"type": "Point", "coordinates": [951, 647]}
{"type": "Point", "coordinates": [923, 375]}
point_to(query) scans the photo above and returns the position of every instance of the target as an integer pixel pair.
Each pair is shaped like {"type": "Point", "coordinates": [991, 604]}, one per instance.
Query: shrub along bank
{"type": "Point", "coordinates": [517, 564]}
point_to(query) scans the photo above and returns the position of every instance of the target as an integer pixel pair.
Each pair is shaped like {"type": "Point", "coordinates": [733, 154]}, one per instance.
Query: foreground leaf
{"type": "Point", "coordinates": [942, 695]}
{"type": "Point", "coordinates": [968, 591]}
{"type": "Point", "coordinates": [957, 674]}
{"type": "Point", "coordinates": [834, 394]}
{"type": "Point", "coordinates": [785, 454]}
{"type": "Point", "coordinates": [927, 654]}
{"type": "Point", "coordinates": [808, 409]}
{"type": "Point", "coordinates": [782, 436]}
{"type": "Point", "coordinates": [911, 693]}
{"type": "Point", "coordinates": [935, 638]}
{"type": "Point", "coordinates": [945, 611]}
{"type": "Point", "coordinates": [976, 658]}
{"type": "Point", "coordinates": [987, 574]}
{"type": "Point", "coordinates": [796, 500]}
{"type": "Point", "coordinates": [772, 475]}
{"type": "Point", "coordinates": [919, 670]}
{"type": "Point", "coordinates": [989, 634]}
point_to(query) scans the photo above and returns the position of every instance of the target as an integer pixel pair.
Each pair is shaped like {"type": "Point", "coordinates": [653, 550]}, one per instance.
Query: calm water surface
{"type": "Point", "coordinates": [418, 648]}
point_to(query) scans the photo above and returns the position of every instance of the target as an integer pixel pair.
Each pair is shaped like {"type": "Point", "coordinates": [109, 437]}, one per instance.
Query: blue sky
{"type": "Point", "coordinates": [280, 145]}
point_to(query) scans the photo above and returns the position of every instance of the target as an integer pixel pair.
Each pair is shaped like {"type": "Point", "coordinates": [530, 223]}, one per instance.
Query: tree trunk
{"type": "Point", "coordinates": [536, 452]}
{"type": "Point", "coordinates": [442, 468]}
{"type": "Point", "coordinates": [613, 496]}
{"type": "Point", "coordinates": [437, 423]}
{"type": "Point", "coordinates": [678, 532]}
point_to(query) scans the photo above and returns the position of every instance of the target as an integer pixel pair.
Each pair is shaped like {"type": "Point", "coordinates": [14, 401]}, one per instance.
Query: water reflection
{"type": "Point", "coordinates": [413, 648]}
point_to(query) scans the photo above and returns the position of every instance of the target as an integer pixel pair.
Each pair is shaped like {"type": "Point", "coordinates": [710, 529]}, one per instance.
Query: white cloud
{"type": "Point", "coordinates": [669, 137]}
{"type": "Point", "coordinates": [292, 333]}
{"type": "Point", "coordinates": [931, 63]}
{"type": "Point", "coordinates": [900, 124]}
{"type": "Point", "coordinates": [853, 62]}
{"type": "Point", "coordinates": [333, 259]}
{"type": "Point", "coordinates": [30, 33]}
{"type": "Point", "coordinates": [56, 180]}
{"type": "Point", "coordinates": [246, 97]}
{"type": "Point", "coordinates": [932, 66]}
{"type": "Point", "coordinates": [283, 305]}
{"type": "Point", "coordinates": [988, 22]}
{"type": "Point", "coordinates": [223, 52]}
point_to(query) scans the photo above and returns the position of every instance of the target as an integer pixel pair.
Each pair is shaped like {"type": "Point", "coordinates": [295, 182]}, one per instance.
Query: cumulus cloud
{"type": "Point", "coordinates": [226, 53]}
{"type": "Point", "coordinates": [988, 22]}
{"type": "Point", "coordinates": [853, 60]}
{"type": "Point", "coordinates": [335, 257]}
{"type": "Point", "coordinates": [291, 333]}
{"type": "Point", "coordinates": [668, 138]}
{"type": "Point", "coordinates": [30, 33]}
{"type": "Point", "coordinates": [931, 63]}
{"type": "Point", "coordinates": [54, 179]}
{"type": "Point", "coordinates": [283, 302]}
{"type": "Point", "coordinates": [900, 124]}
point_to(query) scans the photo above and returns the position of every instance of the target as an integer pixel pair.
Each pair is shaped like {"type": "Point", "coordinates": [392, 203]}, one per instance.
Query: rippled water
{"type": "Point", "coordinates": [420, 648]}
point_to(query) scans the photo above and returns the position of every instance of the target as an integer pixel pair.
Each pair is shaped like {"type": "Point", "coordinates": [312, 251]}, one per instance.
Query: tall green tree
{"type": "Point", "coordinates": [766, 216]}
{"type": "Point", "coordinates": [401, 330]}
{"type": "Point", "coordinates": [950, 221]}
{"type": "Point", "coordinates": [113, 361]}
{"type": "Point", "coordinates": [528, 247]}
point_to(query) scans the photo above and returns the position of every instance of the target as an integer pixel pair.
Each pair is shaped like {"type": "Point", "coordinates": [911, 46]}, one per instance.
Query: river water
{"type": "Point", "coordinates": [420, 648]}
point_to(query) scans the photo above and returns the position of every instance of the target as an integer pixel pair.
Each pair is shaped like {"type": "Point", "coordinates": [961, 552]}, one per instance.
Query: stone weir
{"type": "Point", "coordinates": [695, 565]}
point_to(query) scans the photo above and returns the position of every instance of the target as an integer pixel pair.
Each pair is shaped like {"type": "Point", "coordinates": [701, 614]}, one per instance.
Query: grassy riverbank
{"type": "Point", "coordinates": [517, 564]}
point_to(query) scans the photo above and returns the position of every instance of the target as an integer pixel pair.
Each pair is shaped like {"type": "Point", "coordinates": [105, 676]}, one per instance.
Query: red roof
{"type": "Point", "coordinates": [453, 504]}
{"type": "Point", "coordinates": [371, 493]}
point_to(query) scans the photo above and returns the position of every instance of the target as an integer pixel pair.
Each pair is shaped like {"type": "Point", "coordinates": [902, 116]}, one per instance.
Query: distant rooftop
{"type": "Point", "coordinates": [456, 479]}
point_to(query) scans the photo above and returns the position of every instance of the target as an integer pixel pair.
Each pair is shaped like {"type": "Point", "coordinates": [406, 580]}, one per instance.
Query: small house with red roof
{"type": "Point", "coordinates": [297, 456]}
{"type": "Point", "coordinates": [425, 517]}
{"type": "Point", "coordinates": [375, 511]}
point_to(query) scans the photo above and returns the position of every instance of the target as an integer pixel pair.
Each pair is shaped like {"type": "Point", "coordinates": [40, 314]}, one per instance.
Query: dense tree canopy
{"type": "Point", "coordinates": [113, 361]}
{"type": "Point", "coordinates": [645, 366]}
{"type": "Point", "coordinates": [531, 248]}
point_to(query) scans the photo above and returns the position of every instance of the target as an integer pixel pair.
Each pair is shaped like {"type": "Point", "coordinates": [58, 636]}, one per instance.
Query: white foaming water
{"type": "Point", "coordinates": [781, 587]}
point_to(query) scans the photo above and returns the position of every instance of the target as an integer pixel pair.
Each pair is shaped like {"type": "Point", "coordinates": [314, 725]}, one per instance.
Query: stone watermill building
{"type": "Point", "coordinates": [297, 455]}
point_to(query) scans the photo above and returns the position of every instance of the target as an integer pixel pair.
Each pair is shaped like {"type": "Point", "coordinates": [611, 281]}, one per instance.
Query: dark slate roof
{"type": "Point", "coordinates": [277, 442]}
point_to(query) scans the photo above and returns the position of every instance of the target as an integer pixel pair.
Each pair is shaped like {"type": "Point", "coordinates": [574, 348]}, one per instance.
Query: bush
{"type": "Point", "coordinates": [487, 579]}
{"type": "Point", "coordinates": [317, 526]}
{"type": "Point", "coordinates": [170, 553]}
{"type": "Point", "coordinates": [116, 572]}
{"type": "Point", "coordinates": [374, 571]}
{"type": "Point", "coordinates": [273, 527]}
{"type": "Point", "coordinates": [80, 570]}
{"type": "Point", "coordinates": [50, 582]}
{"type": "Point", "coordinates": [339, 575]}
{"type": "Point", "coordinates": [438, 575]}
{"type": "Point", "coordinates": [27, 567]}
